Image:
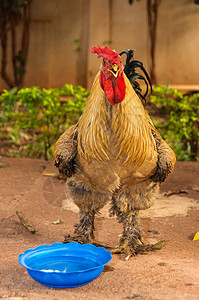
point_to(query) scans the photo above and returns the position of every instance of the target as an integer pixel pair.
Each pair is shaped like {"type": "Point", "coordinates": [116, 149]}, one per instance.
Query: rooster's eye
{"type": "Point", "coordinates": [104, 62]}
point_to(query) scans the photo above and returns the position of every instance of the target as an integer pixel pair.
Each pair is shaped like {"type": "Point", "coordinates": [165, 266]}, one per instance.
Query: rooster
{"type": "Point", "coordinates": [114, 153]}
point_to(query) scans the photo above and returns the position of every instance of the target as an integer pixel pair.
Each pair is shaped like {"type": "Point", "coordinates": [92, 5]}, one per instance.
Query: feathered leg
{"type": "Point", "coordinates": [84, 230]}
{"type": "Point", "coordinates": [126, 204]}
{"type": "Point", "coordinates": [89, 202]}
{"type": "Point", "coordinates": [131, 242]}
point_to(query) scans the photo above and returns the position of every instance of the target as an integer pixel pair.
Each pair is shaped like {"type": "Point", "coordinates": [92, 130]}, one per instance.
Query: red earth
{"type": "Point", "coordinates": [170, 273]}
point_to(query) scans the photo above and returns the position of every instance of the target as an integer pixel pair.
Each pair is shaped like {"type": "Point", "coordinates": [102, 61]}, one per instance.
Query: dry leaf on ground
{"type": "Point", "coordinates": [196, 236]}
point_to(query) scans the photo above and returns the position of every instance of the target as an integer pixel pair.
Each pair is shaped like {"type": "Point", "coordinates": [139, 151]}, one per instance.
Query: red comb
{"type": "Point", "coordinates": [106, 53]}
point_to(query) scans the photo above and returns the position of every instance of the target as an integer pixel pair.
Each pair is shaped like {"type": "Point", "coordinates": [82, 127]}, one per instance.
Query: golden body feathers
{"type": "Point", "coordinates": [115, 140]}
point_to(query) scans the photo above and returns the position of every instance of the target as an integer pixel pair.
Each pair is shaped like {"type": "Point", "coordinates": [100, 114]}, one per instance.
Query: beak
{"type": "Point", "coordinates": [114, 70]}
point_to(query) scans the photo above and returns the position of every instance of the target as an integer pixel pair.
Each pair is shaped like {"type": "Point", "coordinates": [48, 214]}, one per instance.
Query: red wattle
{"type": "Point", "coordinates": [115, 93]}
{"type": "Point", "coordinates": [119, 89]}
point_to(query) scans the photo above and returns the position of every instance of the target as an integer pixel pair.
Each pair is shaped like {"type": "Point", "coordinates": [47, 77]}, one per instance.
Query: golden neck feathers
{"type": "Point", "coordinates": [127, 122]}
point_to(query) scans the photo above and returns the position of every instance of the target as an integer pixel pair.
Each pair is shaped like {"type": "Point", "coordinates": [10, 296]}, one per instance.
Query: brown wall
{"type": "Point", "coordinates": [54, 61]}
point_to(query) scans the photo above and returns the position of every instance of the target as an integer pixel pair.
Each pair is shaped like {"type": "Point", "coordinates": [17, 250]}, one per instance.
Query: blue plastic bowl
{"type": "Point", "coordinates": [65, 265]}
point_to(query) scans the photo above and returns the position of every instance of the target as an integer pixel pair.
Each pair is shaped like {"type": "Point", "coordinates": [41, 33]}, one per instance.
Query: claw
{"type": "Point", "coordinates": [82, 240]}
{"type": "Point", "coordinates": [130, 249]}
{"type": "Point", "coordinates": [74, 238]}
{"type": "Point", "coordinates": [117, 250]}
{"type": "Point", "coordinates": [121, 248]}
{"type": "Point", "coordinates": [98, 244]}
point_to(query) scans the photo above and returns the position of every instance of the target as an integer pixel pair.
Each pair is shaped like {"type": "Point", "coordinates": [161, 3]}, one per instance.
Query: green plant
{"type": "Point", "coordinates": [178, 120]}
{"type": "Point", "coordinates": [31, 119]}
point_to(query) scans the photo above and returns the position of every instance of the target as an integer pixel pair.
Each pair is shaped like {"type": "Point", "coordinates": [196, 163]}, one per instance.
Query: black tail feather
{"type": "Point", "coordinates": [132, 75]}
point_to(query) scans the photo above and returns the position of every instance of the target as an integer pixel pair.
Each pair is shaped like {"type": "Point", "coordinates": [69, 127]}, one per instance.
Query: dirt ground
{"type": "Point", "coordinates": [171, 273]}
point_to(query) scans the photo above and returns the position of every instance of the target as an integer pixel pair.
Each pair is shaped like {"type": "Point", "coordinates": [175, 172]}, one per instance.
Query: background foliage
{"type": "Point", "coordinates": [31, 119]}
{"type": "Point", "coordinates": [177, 119]}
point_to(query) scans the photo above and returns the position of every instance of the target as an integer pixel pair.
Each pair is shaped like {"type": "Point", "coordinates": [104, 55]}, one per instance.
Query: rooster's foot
{"type": "Point", "coordinates": [131, 248]}
{"type": "Point", "coordinates": [82, 240]}
{"type": "Point", "coordinates": [74, 238]}
{"type": "Point", "coordinates": [98, 244]}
